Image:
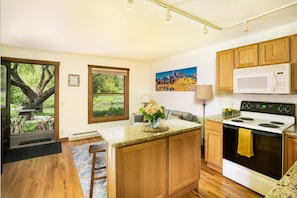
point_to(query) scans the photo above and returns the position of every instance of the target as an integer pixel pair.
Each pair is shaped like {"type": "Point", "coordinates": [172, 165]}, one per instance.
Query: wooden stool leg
{"type": "Point", "coordinates": [92, 174]}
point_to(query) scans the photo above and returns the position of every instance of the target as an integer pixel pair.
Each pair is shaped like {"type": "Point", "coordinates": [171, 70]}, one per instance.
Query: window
{"type": "Point", "coordinates": [108, 94]}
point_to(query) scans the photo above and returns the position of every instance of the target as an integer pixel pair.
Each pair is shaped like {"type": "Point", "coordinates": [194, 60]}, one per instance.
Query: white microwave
{"type": "Point", "coordinates": [271, 79]}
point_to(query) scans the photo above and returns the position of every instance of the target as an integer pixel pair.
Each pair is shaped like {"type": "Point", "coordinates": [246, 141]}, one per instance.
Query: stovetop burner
{"type": "Point", "coordinates": [246, 118]}
{"type": "Point", "coordinates": [268, 125]}
{"type": "Point", "coordinates": [242, 119]}
{"type": "Point", "coordinates": [276, 122]}
{"type": "Point", "coordinates": [237, 120]}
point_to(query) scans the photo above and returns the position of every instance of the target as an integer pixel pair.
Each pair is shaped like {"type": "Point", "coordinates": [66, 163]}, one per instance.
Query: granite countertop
{"type": "Point", "coordinates": [286, 187]}
{"type": "Point", "coordinates": [220, 117]}
{"type": "Point", "coordinates": [134, 134]}
{"type": "Point", "coordinates": [216, 118]}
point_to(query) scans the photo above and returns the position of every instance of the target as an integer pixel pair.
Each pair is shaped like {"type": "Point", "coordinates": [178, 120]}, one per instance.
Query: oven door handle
{"type": "Point", "coordinates": [230, 127]}
{"type": "Point", "coordinates": [269, 134]}
{"type": "Point", "coordinates": [263, 133]}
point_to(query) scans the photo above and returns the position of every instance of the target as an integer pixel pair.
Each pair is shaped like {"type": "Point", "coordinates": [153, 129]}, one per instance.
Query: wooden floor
{"type": "Point", "coordinates": [56, 176]}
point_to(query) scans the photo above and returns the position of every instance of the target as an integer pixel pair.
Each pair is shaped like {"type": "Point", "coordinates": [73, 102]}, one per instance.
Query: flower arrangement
{"type": "Point", "coordinates": [153, 113]}
{"type": "Point", "coordinates": [227, 111]}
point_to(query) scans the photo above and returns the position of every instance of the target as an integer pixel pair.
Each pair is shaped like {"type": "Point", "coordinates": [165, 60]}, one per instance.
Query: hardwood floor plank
{"type": "Point", "coordinates": [56, 176]}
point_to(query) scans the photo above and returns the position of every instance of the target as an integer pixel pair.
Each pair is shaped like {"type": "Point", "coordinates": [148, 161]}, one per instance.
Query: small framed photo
{"type": "Point", "coordinates": [73, 80]}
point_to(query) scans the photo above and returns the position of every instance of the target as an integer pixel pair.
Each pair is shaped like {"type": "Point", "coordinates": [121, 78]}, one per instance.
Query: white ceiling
{"type": "Point", "coordinates": [109, 28]}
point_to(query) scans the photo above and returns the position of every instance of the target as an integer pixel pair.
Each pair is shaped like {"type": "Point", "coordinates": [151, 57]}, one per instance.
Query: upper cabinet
{"type": "Point", "coordinates": [224, 70]}
{"type": "Point", "coordinates": [293, 50]}
{"type": "Point", "coordinates": [274, 51]}
{"type": "Point", "coordinates": [246, 56]}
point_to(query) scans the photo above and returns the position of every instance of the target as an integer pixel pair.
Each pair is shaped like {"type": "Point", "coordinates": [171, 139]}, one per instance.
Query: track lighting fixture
{"type": "Point", "coordinates": [205, 31]}
{"type": "Point", "coordinates": [130, 3]}
{"type": "Point", "coordinates": [168, 15]}
{"type": "Point", "coordinates": [245, 26]}
{"type": "Point", "coordinates": [185, 14]}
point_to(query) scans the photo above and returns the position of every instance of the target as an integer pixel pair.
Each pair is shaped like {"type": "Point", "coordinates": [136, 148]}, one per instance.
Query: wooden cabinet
{"type": "Point", "coordinates": [214, 144]}
{"type": "Point", "coordinates": [166, 167]}
{"type": "Point", "coordinates": [146, 164]}
{"type": "Point", "coordinates": [290, 153]}
{"type": "Point", "coordinates": [184, 168]}
{"type": "Point", "coordinates": [274, 51]}
{"type": "Point", "coordinates": [293, 51]}
{"type": "Point", "coordinates": [224, 70]}
{"type": "Point", "coordinates": [246, 56]}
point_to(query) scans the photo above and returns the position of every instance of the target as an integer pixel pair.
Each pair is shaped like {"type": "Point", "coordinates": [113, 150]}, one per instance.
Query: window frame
{"type": "Point", "coordinates": [111, 70]}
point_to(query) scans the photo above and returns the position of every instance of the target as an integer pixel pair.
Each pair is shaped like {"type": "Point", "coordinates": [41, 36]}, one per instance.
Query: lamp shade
{"type": "Point", "coordinates": [204, 92]}
{"type": "Point", "coordinates": [145, 98]}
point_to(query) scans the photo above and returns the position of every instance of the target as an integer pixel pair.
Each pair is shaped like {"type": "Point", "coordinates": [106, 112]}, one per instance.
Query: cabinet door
{"type": "Point", "coordinates": [184, 160]}
{"type": "Point", "coordinates": [294, 62]}
{"type": "Point", "coordinates": [246, 56]}
{"type": "Point", "coordinates": [224, 70]}
{"type": "Point", "coordinates": [274, 51]}
{"type": "Point", "coordinates": [141, 170]}
{"type": "Point", "coordinates": [291, 152]}
{"type": "Point", "coordinates": [214, 145]}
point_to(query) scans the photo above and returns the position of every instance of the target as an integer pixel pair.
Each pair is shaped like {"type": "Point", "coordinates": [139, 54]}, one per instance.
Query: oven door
{"type": "Point", "coordinates": [267, 148]}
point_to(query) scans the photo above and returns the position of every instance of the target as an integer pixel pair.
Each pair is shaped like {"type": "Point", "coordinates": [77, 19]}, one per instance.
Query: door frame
{"type": "Point", "coordinates": [57, 71]}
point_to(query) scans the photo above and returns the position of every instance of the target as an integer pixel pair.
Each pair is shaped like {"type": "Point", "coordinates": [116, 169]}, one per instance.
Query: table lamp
{"type": "Point", "coordinates": [145, 99]}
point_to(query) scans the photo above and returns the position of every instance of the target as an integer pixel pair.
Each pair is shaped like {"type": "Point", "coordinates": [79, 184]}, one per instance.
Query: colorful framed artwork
{"type": "Point", "coordinates": [177, 80]}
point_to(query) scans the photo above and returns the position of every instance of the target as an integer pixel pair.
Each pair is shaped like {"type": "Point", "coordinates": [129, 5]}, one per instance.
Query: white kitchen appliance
{"type": "Point", "coordinates": [272, 79]}
{"type": "Point", "coordinates": [267, 122]}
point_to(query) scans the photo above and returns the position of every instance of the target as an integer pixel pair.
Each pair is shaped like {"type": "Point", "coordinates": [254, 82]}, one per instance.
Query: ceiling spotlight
{"type": "Point", "coordinates": [168, 15]}
{"type": "Point", "coordinates": [130, 3]}
{"type": "Point", "coordinates": [205, 31]}
{"type": "Point", "coordinates": [245, 26]}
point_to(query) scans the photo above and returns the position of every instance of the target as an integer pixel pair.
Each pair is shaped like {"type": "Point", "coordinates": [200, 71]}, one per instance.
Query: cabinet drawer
{"type": "Point", "coordinates": [212, 125]}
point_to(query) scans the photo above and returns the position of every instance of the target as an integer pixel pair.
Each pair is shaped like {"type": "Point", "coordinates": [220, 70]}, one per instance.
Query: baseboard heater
{"type": "Point", "coordinates": [82, 135]}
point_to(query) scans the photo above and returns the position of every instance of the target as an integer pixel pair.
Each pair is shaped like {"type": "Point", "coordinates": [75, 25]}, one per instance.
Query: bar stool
{"type": "Point", "coordinates": [94, 149]}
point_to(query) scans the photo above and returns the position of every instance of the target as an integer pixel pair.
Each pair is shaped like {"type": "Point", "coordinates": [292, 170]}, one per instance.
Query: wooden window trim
{"type": "Point", "coordinates": [115, 70]}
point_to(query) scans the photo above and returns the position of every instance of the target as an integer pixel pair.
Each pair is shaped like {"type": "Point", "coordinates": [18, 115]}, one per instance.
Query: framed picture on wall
{"type": "Point", "coordinates": [73, 80]}
{"type": "Point", "coordinates": [177, 80]}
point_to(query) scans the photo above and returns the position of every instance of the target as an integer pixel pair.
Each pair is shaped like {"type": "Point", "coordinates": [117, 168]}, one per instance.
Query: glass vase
{"type": "Point", "coordinates": [154, 123]}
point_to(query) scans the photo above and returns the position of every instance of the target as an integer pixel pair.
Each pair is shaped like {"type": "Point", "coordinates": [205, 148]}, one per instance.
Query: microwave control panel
{"type": "Point", "coordinates": [280, 80]}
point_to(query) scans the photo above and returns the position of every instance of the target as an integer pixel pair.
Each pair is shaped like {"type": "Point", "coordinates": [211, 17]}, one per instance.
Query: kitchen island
{"type": "Point", "coordinates": [153, 164]}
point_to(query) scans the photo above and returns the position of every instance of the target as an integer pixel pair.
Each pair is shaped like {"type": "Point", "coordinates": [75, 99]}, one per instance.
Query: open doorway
{"type": "Point", "coordinates": [33, 101]}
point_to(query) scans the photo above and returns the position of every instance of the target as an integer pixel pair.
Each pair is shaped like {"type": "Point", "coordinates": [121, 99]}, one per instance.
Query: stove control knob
{"type": "Point", "coordinates": [248, 105]}
{"type": "Point", "coordinates": [243, 105]}
{"type": "Point", "coordinates": [280, 108]}
{"type": "Point", "coordinates": [288, 108]}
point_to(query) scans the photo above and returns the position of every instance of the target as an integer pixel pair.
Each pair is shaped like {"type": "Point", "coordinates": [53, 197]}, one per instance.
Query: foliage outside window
{"type": "Point", "coordinates": [3, 86]}
{"type": "Point", "coordinates": [32, 85]}
{"type": "Point", "coordinates": [108, 98]}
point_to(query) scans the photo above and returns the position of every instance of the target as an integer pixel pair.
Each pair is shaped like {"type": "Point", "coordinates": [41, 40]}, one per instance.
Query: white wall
{"type": "Point", "coordinates": [73, 100]}
{"type": "Point", "coordinates": [205, 60]}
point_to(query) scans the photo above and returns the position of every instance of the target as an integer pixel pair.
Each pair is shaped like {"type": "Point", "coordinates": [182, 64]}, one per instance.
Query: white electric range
{"type": "Point", "coordinates": [267, 121]}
